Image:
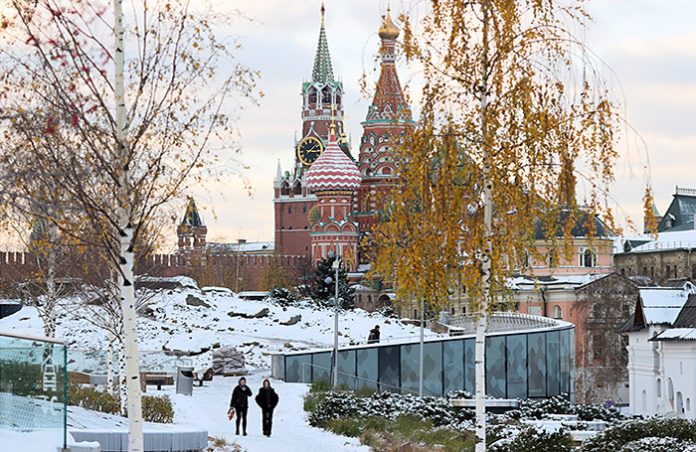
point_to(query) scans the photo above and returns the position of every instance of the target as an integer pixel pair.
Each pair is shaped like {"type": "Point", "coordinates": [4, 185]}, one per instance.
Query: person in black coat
{"type": "Point", "coordinates": [374, 336]}
{"type": "Point", "coordinates": [240, 403]}
{"type": "Point", "coordinates": [267, 399]}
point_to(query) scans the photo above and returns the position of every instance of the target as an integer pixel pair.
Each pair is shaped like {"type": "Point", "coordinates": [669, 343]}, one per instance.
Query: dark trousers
{"type": "Point", "coordinates": [241, 417]}
{"type": "Point", "coordinates": [267, 420]}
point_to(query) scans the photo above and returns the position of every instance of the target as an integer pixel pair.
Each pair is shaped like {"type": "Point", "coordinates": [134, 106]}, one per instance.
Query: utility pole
{"type": "Point", "coordinates": [422, 340]}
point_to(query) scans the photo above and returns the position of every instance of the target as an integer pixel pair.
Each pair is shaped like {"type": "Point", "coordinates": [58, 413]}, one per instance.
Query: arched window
{"type": "Point", "coordinates": [680, 403]}
{"type": "Point", "coordinates": [285, 189]}
{"type": "Point", "coordinates": [557, 312]}
{"type": "Point", "coordinates": [670, 392]}
{"type": "Point", "coordinates": [525, 259]}
{"type": "Point", "coordinates": [588, 258]}
{"type": "Point", "coordinates": [658, 388]}
{"type": "Point", "coordinates": [312, 97]}
{"type": "Point", "coordinates": [644, 401]}
{"type": "Point", "coordinates": [552, 258]}
{"type": "Point", "coordinates": [326, 97]}
{"type": "Point", "coordinates": [297, 189]}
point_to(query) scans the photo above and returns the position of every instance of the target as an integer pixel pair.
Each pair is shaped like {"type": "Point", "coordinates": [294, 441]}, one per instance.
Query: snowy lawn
{"type": "Point", "coordinates": [207, 409]}
{"type": "Point", "coordinates": [191, 321]}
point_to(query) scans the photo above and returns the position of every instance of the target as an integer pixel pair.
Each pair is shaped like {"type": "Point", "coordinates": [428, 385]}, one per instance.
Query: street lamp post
{"type": "Point", "coordinates": [336, 264]}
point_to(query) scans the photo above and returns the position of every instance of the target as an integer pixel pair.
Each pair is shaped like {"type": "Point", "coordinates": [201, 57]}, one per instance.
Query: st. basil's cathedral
{"type": "Point", "coordinates": [328, 200]}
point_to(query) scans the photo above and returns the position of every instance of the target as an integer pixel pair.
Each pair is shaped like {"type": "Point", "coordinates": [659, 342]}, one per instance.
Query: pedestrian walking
{"type": "Point", "coordinates": [374, 336]}
{"type": "Point", "coordinates": [240, 404]}
{"type": "Point", "coordinates": [267, 399]}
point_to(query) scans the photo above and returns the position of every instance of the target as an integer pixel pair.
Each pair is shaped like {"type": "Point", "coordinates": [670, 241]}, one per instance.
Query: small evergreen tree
{"type": "Point", "coordinates": [323, 293]}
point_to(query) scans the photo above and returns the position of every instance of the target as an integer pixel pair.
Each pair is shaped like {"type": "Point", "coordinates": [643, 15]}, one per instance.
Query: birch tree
{"type": "Point", "coordinates": [512, 114]}
{"type": "Point", "coordinates": [120, 111]}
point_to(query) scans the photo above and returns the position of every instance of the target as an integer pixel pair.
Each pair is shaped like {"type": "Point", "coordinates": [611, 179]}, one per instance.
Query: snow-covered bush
{"type": "Point", "coordinates": [533, 440]}
{"type": "Point", "coordinates": [540, 409]}
{"type": "Point", "coordinates": [653, 444]}
{"type": "Point", "coordinates": [629, 434]}
{"type": "Point", "coordinates": [337, 405]}
{"type": "Point", "coordinates": [282, 296]}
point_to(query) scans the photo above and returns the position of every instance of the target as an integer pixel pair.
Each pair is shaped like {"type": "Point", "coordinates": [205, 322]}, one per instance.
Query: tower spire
{"type": "Point", "coordinates": [322, 70]}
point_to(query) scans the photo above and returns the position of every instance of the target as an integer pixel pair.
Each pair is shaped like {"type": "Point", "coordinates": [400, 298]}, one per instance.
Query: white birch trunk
{"type": "Point", "coordinates": [110, 366]}
{"type": "Point", "coordinates": [480, 347]}
{"type": "Point", "coordinates": [126, 279]}
{"type": "Point", "coordinates": [51, 299]}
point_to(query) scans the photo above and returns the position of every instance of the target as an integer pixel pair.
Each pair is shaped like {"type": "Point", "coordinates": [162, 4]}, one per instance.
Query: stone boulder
{"type": "Point", "coordinates": [293, 320]}
{"type": "Point", "coordinates": [192, 300]}
{"type": "Point", "coordinates": [228, 361]}
{"type": "Point", "coordinates": [259, 315]}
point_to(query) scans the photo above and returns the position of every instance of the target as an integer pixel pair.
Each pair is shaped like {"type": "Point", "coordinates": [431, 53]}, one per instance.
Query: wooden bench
{"type": "Point", "coordinates": [158, 379]}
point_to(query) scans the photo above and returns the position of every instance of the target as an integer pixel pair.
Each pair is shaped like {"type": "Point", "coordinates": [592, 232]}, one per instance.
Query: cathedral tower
{"type": "Point", "coordinates": [388, 119]}
{"type": "Point", "coordinates": [322, 105]}
{"type": "Point", "coordinates": [192, 233]}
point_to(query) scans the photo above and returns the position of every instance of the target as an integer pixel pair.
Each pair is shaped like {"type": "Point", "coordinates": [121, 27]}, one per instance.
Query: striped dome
{"type": "Point", "coordinates": [333, 170]}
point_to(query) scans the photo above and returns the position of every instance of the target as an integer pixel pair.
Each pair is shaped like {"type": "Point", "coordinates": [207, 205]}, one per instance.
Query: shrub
{"type": "Point", "coordinates": [158, 409]}
{"type": "Point", "coordinates": [91, 399]}
{"type": "Point", "coordinates": [387, 405]}
{"type": "Point", "coordinates": [282, 296]}
{"type": "Point", "coordinates": [652, 444]}
{"type": "Point", "coordinates": [539, 409]}
{"type": "Point", "coordinates": [533, 440]}
{"type": "Point", "coordinates": [631, 432]}
{"type": "Point", "coordinates": [155, 408]}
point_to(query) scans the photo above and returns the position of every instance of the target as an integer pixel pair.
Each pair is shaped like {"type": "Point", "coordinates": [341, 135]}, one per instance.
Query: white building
{"type": "Point", "coordinates": [662, 352]}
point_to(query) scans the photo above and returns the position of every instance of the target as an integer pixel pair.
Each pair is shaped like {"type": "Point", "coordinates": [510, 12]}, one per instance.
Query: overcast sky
{"type": "Point", "coordinates": [649, 46]}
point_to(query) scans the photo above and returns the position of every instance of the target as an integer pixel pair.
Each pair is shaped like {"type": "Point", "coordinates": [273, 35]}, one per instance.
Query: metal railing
{"type": "Point", "coordinates": [502, 322]}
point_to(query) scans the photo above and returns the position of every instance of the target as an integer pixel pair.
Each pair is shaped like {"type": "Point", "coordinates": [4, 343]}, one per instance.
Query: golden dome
{"type": "Point", "coordinates": [388, 30]}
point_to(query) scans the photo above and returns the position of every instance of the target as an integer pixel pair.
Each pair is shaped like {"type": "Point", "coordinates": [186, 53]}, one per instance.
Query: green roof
{"type": "Point", "coordinates": [322, 71]}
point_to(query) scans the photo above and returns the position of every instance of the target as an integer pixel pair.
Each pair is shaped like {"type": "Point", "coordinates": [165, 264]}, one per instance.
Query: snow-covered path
{"type": "Point", "coordinates": [207, 409]}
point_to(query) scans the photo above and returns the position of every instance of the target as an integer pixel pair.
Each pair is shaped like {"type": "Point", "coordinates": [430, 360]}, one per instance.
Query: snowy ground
{"type": "Point", "coordinates": [176, 323]}
{"type": "Point", "coordinates": [206, 410]}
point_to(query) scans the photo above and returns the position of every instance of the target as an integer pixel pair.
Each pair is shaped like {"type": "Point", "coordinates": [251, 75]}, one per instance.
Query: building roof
{"type": "Point", "coordinates": [661, 306]}
{"type": "Point", "coordinates": [192, 217]}
{"type": "Point", "coordinates": [527, 282]}
{"type": "Point", "coordinates": [687, 315]}
{"type": "Point", "coordinates": [244, 247]}
{"type": "Point", "coordinates": [580, 228]}
{"type": "Point", "coordinates": [667, 241]}
{"type": "Point", "coordinates": [333, 170]}
{"type": "Point", "coordinates": [680, 213]}
{"type": "Point", "coordinates": [388, 30]}
{"type": "Point", "coordinates": [676, 334]}
{"type": "Point", "coordinates": [322, 71]}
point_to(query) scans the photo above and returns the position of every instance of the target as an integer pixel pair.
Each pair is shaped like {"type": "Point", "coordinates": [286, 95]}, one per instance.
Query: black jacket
{"type": "Point", "coordinates": [267, 399]}
{"type": "Point", "coordinates": [240, 397]}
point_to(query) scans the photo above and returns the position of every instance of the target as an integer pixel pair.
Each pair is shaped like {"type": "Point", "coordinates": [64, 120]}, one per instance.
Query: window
{"type": "Point", "coordinates": [652, 272]}
{"type": "Point", "coordinates": [415, 313]}
{"type": "Point", "coordinates": [667, 270]}
{"type": "Point", "coordinates": [623, 272]}
{"type": "Point", "coordinates": [525, 259]}
{"type": "Point", "coordinates": [552, 258]}
{"type": "Point", "coordinates": [645, 271]}
{"type": "Point", "coordinates": [598, 346]}
{"type": "Point", "coordinates": [587, 258]}
{"type": "Point", "coordinates": [289, 209]}
{"type": "Point", "coordinates": [557, 312]}
{"type": "Point", "coordinates": [453, 311]}
{"type": "Point", "coordinates": [304, 209]}
{"type": "Point", "coordinates": [658, 389]}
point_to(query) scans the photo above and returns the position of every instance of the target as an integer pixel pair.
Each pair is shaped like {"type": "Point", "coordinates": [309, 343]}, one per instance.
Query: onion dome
{"type": "Point", "coordinates": [388, 30]}
{"type": "Point", "coordinates": [333, 170]}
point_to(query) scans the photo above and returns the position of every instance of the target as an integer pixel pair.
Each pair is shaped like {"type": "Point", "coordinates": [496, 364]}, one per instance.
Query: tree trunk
{"type": "Point", "coordinates": [126, 279]}
{"type": "Point", "coordinates": [480, 348]}
{"type": "Point", "coordinates": [51, 299]}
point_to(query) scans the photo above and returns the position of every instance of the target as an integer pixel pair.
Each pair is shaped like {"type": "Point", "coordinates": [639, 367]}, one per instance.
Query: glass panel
{"type": "Point", "coordinates": [469, 367]}
{"type": "Point", "coordinates": [572, 364]}
{"type": "Point", "coordinates": [297, 368]}
{"type": "Point", "coordinates": [367, 368]}
{"type": "Point", "coordinates": [536, 366]}
{"type": "Point", "coordinates": [565, 361]}
{"type": "Point", "coordinates": [389, 368]}
{"type": "Point", "coordinates": [495, 366]}
{"type": "Point", "coordinates": [409, 368]}
{"type": "Point", "coordinates": [346, 369]}
{"type": "Point", "coordinates": [453, 361]}
{"type": "Point", "coordinates": [517, 366]}
{"type": "Point", "coordinates": [33, 386]}
{"type": "Point", "coordinates": [432, 369]}
{"type": "Point", "coordinates": [553, 364]}
{"type": "Point", "coordinates": [321, 367]}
